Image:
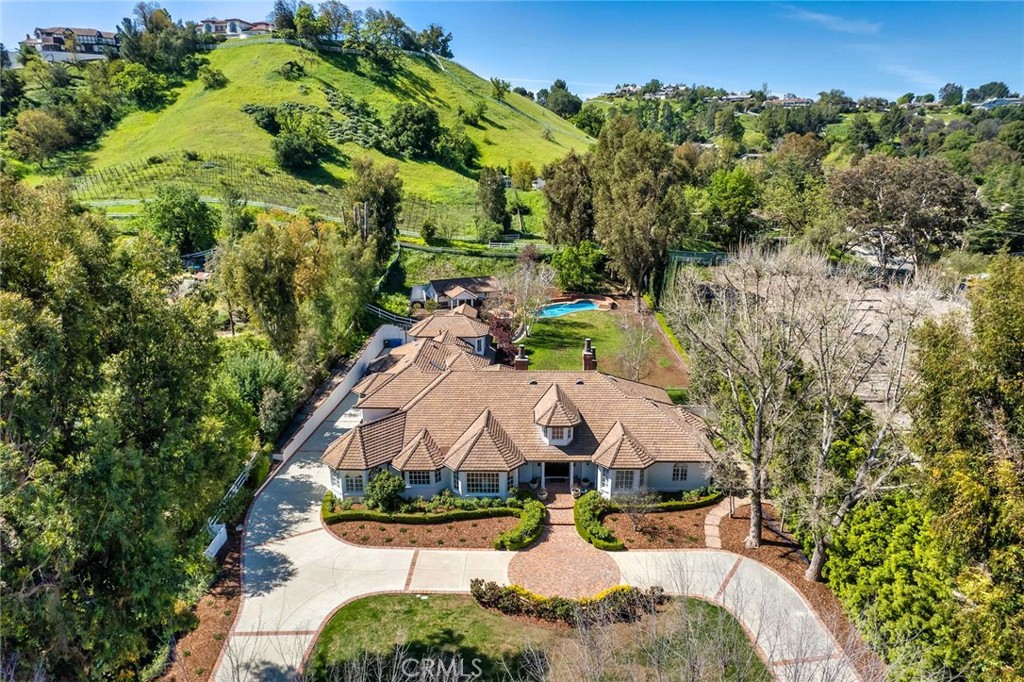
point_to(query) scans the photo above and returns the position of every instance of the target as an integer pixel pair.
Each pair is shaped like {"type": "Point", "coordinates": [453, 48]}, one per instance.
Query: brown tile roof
{"type": "Point", "coordinates": [467, 310]}
{"type": "Point", "coordinates": [485, 446]}
{"type": "Point", "coordinates": [555, 409]}
{"type": "Point", "coordinates": [620, 450]}
{"type": "Point", "coordinates": [371, 382]}
{"type": "Point", "coordinates": [460, 325]}
{"type": "Point", "coordinates": [419, 454]}
{"type": "Point", "coordinates": [368, 445]}
{"type": "Point", "coordinates": [483, 284]}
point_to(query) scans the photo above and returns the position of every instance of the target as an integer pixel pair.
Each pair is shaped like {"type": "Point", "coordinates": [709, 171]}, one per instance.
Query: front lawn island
{"type": "Point", "coordinates": [456, 625]}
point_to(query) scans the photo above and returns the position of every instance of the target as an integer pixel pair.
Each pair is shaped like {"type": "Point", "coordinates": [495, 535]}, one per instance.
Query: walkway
{"type": "Point", "coordinates": [296, 574]}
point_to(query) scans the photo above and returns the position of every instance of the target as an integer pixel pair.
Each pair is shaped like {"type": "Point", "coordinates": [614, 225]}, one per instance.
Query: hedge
{"type": "Point", "coordinates": [621, 603]}
{"type": "Point", "coordinates": [531, 524]}
{"type": "Point", "coordinates": [587, 514]}
{"type": "Point", "coordinates": [330, 517]}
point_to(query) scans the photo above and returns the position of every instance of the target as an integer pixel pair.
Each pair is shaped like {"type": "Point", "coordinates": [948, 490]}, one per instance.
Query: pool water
{"type": "Point", "coordinates": [559, 309]}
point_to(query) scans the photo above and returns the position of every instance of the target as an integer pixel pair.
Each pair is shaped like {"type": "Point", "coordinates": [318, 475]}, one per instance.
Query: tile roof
{"type": "Point", "coordinates": [467, 310]}
{"type": "Point", "coordinates": [483, 284]}
{"type": "Point", "coordinates": [620, 450]}
{"type": "Point", "coordinates": [367, 445]}
{"type": "Point", "coordinates": [456, 323]}
{"type": "Point", "coordinates": [419, 454]}
{"type": "Point", "coordinates": [485, 446]}
{"type": "Point", "coordinates": [555, 409]}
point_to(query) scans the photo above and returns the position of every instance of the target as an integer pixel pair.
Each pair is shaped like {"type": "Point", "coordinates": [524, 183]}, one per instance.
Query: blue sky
{"type": "Point", "coordinates": [865, 48]}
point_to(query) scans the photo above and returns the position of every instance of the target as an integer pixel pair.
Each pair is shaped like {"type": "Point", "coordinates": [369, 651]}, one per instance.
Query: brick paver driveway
{"type": "Point", "coordinates": [296, 574]}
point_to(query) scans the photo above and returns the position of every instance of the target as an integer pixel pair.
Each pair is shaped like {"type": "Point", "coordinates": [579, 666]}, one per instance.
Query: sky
{"type": "Point", "coordinates": [865, 48]}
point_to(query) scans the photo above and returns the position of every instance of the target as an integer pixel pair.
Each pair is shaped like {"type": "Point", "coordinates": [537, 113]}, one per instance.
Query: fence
{"type": "Point", "coordinates": [698, 257]}
{"type": "Point", "coordinates": [387, 316]}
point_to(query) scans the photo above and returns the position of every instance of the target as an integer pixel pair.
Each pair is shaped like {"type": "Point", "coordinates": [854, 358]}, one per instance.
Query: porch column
{"type": "Point", "coordinates": [572, 471]}
{"type": "Point", "coordinates": [543, 474]}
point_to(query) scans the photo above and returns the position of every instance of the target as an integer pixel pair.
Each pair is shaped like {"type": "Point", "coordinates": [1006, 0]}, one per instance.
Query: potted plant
{"type": "Point", "coordinates": [534, 482]}
{"type": "Point", "coordinates": [586, 483]}
{"type": "Point", "coordinates": [576, 492]}
{"type": "Point", "coordinates": [542, 494]}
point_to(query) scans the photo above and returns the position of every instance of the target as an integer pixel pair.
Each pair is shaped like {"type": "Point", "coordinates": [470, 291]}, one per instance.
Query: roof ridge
{"type": "Point", "coordinates": [425, 390]}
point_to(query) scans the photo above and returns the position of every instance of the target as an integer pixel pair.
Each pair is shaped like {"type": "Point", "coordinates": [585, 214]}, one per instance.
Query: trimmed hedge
{"type": "Point", "coordinates": [587, 514]}
{"type": "Point", "coordinates": [622, 603]}
{"type": "Point", "coordinates": [330, 517]}
{"type": "Point", "coordinates": [531, 525]}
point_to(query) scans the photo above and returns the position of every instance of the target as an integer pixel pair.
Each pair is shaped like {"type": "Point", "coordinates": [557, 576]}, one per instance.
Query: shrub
{"type": "Point", "coordinates": [414, 130]}
{"type": "Point", "coordinates": [622, 603]}
{"type": "Point", "coordinates": [384, 491]}
{"type": "Point", "coordinates": [213, 79]}
{"type": "Point", "coordinates": [587, 514]}
{"type": "Point", "coordinates": [428, 230]}
{"type": "Point", "coordinates": [297, 150]}
{"type": "Point", "coordinates": [265, 116]}
{"type": "Point", "coordinates": [531, 524]}
{"type": "Point", "coordinates": [260, 470]}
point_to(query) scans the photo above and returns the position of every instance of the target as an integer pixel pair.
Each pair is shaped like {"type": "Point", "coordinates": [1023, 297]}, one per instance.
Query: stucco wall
{"type": "Point", "coordinates": [659, 477]}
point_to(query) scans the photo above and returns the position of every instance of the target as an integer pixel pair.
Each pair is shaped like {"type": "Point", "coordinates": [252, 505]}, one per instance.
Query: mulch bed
{"type": "Point", "coordinates": [661, 530]}
{"type": "Point", "coordinates": [195, 654]}
{"type": "Point", "coordinates": [475, 534]}
{"type": "Point", "coordinates": [780, 552]}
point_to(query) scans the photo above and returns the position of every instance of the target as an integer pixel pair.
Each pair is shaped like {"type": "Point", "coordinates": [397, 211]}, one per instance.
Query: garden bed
{"type": "Point", "coordinates": [661, 530]}
{"type": "Point", "coordinates": [591, 515]}
{"type": "Point", "coordinates": [475, 534]}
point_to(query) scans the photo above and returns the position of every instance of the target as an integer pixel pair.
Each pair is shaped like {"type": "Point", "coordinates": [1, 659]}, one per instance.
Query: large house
{"type": "Point", "coordinates": [455, 292]}
{"type": "Point", "coordinates": [64, 40]}
{"type": "Point", "coordinates": [442, 417]}
{"type": "Point", "coordinates": [234, 27]}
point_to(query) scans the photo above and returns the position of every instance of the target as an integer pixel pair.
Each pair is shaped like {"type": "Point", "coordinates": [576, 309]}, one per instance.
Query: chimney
{"type": "Point", "coordinates": [589, 357]}
{"type": "Point", "coordinates": [521, 361]}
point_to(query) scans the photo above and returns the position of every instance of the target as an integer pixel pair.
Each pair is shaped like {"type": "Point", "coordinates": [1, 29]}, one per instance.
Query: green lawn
{"type": "Point", "coordinates": [454, 625]}
{"type": "Point", "coordinates": [557, 342]}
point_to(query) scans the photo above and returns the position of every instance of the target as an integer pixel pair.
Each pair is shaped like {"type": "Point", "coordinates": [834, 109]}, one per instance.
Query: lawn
{"type": "Point", "coordinates": [557, 343]}
{"type": "Point", "coordinates": [454, 626]}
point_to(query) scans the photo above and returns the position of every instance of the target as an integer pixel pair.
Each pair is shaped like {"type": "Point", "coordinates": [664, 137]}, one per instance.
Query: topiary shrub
{"type": "Point", "coordinates": [587, 515]}
{"type": "Point", "coordinates": [384, 492]}
{"type": "Point", "coordinates": [531, 525]}
{"type": "Point", "coordinates": [622, 603]}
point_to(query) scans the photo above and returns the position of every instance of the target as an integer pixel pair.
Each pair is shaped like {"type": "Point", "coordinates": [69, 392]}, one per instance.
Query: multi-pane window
{"type": "Point", "coordinates": [679, 472]}
{"type": "Point", "coordinates": [418, 477]}
{"type": "Point", "coordinates": [437, 475]}
{"type": "Point", "coordinates": [623, 480]}
{"type": "Point", "coordinates": [557, 432]}
{"type": "Point", "coordinates": [353, 483]}
{"type": "Point", "coordinates": [482, 483]}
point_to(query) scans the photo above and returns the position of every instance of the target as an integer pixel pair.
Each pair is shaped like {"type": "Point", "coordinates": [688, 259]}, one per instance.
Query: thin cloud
{"type": "Point", "coordinates": [913, 75]}
{"type": "Point", "coordinates": [836, 23]}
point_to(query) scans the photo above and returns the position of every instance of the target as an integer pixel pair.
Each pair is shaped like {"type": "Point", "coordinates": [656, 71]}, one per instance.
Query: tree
{"type": "Point", "coordinates": [434, 40]}
{"type": "Point", "coordinates": [638, 344]}
{"type": "Point", "coordinates": [499, 88]}
{"type": "Point", "coordinates": [862, 132]}
{"type": "Point", "coordinates": [728, 125]}
{"type": "Point", "coordinates": [213, 79]}
{"type": "Point", "coordinates": [743, 351]}
{"type": "Point", "coordinates": [563, 102]}
{"type": "Point", "coordinates": [523, 174]}
{"type": "Point", "coordinates": [892, 124]}
{"type": "Point", "coordinates": [951, 94]}
{"type": "Point", "coordinates": [414, 130]}
{"type": "Point", "coordinates": [12, 85]}
{"type": "Point", "coordinates": [1012, 135]}
{"type": "Point", "coordinates": [302, 140]}
{"type": "Point", "coordinates": [1003, 195]}
{"type": "Point", "coordinates": [384, 491]}
{"type": "Point", "coordinates": [310, 26]}
{"type": "Point", "coordinates": [570, 195]}
{"type": "Point", "coordinates": [590, 120]}
{"type": "Point", "coordinates": [337, 18]}
{"type": "Point", "coordinates": [903, 209]}
{"type": "Point", "coordinates": [180, 218]}
{"type": "Point", "coordinates": [519, 90]}
{"type": "Point", "coordinates": [490, 190]}
{"type": "Point", "coordinates": [236, 220]}
{"type": "Point", "coordinates": [527, 289]}
{"type": "Point", "coordinates": [374, 199]}
{"type": "Point", "coordinates": [37, 136]}
{"type": "Point", "coordinates": [283, 15]}
{"type": "Point", "coordinates": [637, 205]}
{"type": "Point", "coordinates": [992, 90]}
{"type": "Point", "coordinates": [727, 203]}
{"type": "Point", "coordinates": [578, 267]}
{"type": "Point", "coordinates": [905, 98]}
{"type": "Point", "coordinates": [140, 84]}
{"type": "Point", "coordinates": [637, 506]}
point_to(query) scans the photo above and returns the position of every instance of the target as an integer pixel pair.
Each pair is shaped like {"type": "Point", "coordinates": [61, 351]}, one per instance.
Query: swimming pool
{"type": "Point", "coordinates": [559, 309]}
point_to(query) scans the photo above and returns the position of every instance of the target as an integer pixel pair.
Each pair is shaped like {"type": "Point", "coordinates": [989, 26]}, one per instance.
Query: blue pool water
{"type": "Point", "coordinates": [559, 309]}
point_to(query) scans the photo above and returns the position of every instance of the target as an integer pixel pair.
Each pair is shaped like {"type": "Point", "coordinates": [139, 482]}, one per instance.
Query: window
{"type": "Point", "coordinates": [353, 483]}
{"type": "Point", "coordinates": [623, 480]}
{"type": "Point", "coordinates": [479, 483]}
{"type": "Point", "coordinates": [417, 477]}
{"type": "Point", "coordinates": [679, 472]}
{"type": "Point", "coordinates": [557, 432]}
{"type": "Point", "coordinates": [437, 475]}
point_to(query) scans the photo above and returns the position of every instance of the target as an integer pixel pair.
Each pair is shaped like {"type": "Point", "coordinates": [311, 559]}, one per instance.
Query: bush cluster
{"type": "Point", "coordinates": [531, 524]}
{"type": "Point", "coordinates": [332, 511]}
{"type": "Point", "coordinates": [587, 514]}
{"type": "Point", "coordinates": [622, 603]}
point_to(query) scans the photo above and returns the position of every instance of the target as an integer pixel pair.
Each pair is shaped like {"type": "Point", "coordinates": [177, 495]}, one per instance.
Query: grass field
{"type": "Point", "coordinates": [455, 626]}
{"type": "Point", "coordinates": [210, 122]}
{"type": "Point", "coordinates": [557, 342]}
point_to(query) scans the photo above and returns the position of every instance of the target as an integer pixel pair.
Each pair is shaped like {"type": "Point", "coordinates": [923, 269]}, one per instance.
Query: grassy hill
{"type": "Point", "coordinates": [210, 121]}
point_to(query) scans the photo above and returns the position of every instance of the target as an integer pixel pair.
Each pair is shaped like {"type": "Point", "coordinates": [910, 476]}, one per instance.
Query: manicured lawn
{"type": "Point", "coordinates": [454, 625]}
{"type": "Point", "coordinates": [557, 343]}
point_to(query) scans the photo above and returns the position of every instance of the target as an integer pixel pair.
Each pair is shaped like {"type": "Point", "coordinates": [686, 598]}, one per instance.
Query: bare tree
{"type": "Point", "coordinates": [637, 346]}
{"type": "Point", "coordinates": [637, 506]}
{"type": "Point", "coordinates": [527, 289]}
{"type": "Point", "coordinates": [744, 350]}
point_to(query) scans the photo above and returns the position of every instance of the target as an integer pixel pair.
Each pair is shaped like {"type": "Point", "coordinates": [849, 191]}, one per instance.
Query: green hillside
{"type": "Point", "coordinates": [210, 121]}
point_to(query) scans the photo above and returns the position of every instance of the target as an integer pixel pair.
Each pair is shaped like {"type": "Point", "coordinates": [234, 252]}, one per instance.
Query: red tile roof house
{"type": "Point", "coordinates": [441, 418]}
{"type": "Point", "coordinates": [455, 292]}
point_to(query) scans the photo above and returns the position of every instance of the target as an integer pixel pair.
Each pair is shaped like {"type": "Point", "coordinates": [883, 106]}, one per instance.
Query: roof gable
{"type": "Point", "coordinates": [485, 446]}
{"type": "Point", "coordinates": [555, 409]}
{"type": "Point", "coordinates": [420, 453]}
{"type": "Point", "coordinates": [620, 450]}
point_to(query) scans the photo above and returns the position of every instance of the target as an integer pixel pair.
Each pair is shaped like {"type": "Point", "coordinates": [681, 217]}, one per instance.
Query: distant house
{"type": "Point", "coordinates": [1000, 102]}
{"type": "Point", "coordinates": [454, 292]}
{"type": "Point", "coordinates": [62, 40]}
{"type": "Point", "coordinates": [234, 27]}
{"type": "Point", "coordinates": [460, 326]}
{"type": "Point", "coordinates": [790, 102]}
{"type": "Point", "coordinates": [538, 183]}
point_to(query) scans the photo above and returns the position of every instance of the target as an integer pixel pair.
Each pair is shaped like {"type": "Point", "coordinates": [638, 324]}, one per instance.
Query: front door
{"type": "Point", "coordinates": [558, 471]}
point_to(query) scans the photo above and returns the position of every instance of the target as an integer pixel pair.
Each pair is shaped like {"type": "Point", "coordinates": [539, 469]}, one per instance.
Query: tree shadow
{"type": "Point", "coordinates": [265, 570]}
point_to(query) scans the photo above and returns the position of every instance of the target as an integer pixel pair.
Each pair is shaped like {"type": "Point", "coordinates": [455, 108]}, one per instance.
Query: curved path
{"type": "Point", "coordinates": [296, 574]}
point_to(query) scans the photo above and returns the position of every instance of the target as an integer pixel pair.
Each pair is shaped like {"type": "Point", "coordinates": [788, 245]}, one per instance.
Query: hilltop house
{"type": "Point", "coordinates": [56, 42]}
{"type": "Point", "coordinates": [443, 419]}
{"type": "Point", "coordinates": [454, 292]}
{"type": "Point", "coordinates": [234, 27]}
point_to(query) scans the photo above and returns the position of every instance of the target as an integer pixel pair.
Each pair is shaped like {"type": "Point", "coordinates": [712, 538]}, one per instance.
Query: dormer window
{"type": "Point", "coordinates": [558, 435]}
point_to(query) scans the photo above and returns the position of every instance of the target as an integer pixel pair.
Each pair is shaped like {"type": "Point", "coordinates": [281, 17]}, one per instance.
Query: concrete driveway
{"type": "Point", "coordinates": [295, 574]}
